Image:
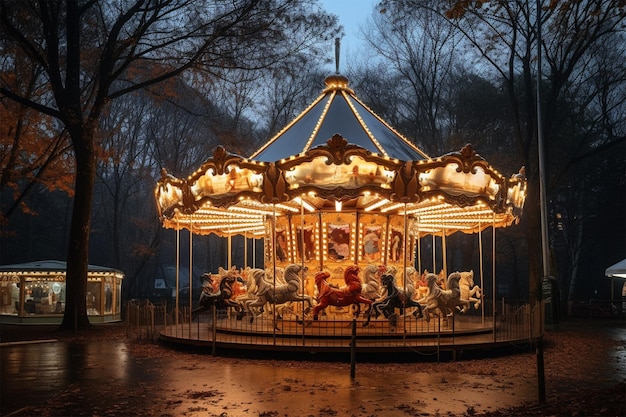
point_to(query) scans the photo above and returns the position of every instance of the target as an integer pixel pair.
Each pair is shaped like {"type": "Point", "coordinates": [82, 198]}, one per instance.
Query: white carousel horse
{"type": "Point", "coordinates": [408, 280]}
{"type": "Point", "coordinates": [278, 279]}
{"type": "Point", "coordinates": [442, 301]}
{"type": "Point", "coordinates": [371, 282]}
{"type": "Point", "coordinates": [280, 275]}
{"type": "Point", "coordinates": [268, 293]}
{"type": "Point", "coordinates": [246, 274]}
{"type": "Point", "coordinates": [469, 291]}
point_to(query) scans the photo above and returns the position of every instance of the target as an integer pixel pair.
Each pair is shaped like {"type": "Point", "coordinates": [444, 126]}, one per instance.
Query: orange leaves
{"type": "Point", "coordinates": [459, 8]}
{"type": "Point", "coordinates": [32, 151]}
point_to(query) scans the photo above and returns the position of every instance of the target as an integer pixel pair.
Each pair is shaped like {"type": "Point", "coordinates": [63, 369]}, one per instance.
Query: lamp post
{"type": "Point", "coordinates": [541, 386]}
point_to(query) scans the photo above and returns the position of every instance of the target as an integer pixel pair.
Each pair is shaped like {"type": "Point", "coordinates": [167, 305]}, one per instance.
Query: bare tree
{"type": "Point", "coordinates": [91, 52]}
{"type": "Point", "coordinates": [125, 229]}
{"type": "Point", "coordinates": [423, 51]}
{"type": "Point", "coordinates": [502, 38]}
{"type": "Point", "coordinates": [173, 127]}
{"type": "Point", "coordinates": [288, 95]}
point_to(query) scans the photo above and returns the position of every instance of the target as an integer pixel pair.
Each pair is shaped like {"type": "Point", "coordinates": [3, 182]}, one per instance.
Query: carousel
{"type": "Point", "coordinates": [351, 215]}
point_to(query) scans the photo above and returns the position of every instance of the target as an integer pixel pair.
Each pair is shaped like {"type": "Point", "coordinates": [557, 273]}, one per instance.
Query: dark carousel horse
{"type": "Point", "coordinates": [399, 298]}
{"type": "Point", "coordinates": [222, 299]}
{"type": "Point", "coordinates": [339, 297]}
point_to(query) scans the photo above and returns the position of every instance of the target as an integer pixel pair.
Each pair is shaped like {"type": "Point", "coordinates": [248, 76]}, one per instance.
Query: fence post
{"type": "Point", "coordinates": [353, 350]}
{"type": "Point", "coordinates": [214, 317]}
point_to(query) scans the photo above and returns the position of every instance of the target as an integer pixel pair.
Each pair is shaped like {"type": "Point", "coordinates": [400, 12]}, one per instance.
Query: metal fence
{"type": "Point", "coordinates": [145, 320]}
{"type": "Point", "coordinates": [510, 322]}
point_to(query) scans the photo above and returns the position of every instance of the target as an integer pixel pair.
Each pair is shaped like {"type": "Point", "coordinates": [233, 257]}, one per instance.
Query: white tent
{"type": "Point", "coordinates": [618, 270]}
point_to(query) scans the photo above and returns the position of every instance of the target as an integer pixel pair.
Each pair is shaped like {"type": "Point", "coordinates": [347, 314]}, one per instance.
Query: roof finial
{"type": "Point", "coordinates": [337, 45]}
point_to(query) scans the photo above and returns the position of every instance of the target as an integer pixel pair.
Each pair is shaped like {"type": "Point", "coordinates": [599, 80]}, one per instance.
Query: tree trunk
{"type": "Point", "coordinates": [574, 246]}
{"type": "Point", "coordinates": [75, 317]}
{"type": "Point", "coordinates": [532, 212]}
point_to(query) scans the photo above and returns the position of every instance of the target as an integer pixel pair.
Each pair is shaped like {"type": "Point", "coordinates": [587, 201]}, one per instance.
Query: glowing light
{"type": "Point", "coordinates": [247, 229]}
{"type": "Point", "coordinates": [391, 207]}
{"type": "Point", "coordinates": [304, 203]}
{"type": "Point", "coordinates": [250, 210]}
{"type": "Point", "coordinates": [376, 204]}
{"type": "Point", "coordinates": [288, 208]}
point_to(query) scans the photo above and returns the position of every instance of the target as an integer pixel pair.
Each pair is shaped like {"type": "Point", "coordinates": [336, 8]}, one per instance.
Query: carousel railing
{"type": "Point", "coordinates": [512, 321]}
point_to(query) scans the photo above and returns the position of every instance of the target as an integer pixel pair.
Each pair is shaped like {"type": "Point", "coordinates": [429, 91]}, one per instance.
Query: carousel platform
{"type": "Point", "coordinates": [409, 335]}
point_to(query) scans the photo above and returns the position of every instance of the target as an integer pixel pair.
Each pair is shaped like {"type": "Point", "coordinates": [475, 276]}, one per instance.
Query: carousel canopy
{"type": "Point", "coordinates": [618, 270]}
{"type": "Point", "coordinates": [339, 157]}
{"type": "Point", "coordinates": [338, 111]}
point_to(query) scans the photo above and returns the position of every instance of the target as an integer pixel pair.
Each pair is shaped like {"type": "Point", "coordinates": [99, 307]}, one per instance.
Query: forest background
{"type": "Point", "coordinates": [160, 84]}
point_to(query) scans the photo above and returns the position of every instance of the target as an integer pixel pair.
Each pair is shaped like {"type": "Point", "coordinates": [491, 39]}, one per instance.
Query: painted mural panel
{"type": "Point", "coordinates": [353, 175]}
{"type": "Point", "coordinates": [450, 179]}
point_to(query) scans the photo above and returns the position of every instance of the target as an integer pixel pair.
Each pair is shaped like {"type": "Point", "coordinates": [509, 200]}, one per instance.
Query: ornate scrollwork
{"type": "Point", "coordinates": [337, 148]}
{"type": "Point", "coordinates": [219, 159]}
{"type": "Point", "coordinates": [406, 185]}
{"type": "Point", "coordinates": [274, 185]}
{"type": "Point", "coordinates": [341, 171]}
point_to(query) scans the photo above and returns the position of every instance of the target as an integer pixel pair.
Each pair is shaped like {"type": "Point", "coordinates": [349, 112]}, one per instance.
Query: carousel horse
{"type": "Point", "coordinates": [275, 276]}
{"type": "Point", "coordinates": [386, 270]}
{"type": "Point", "coordinates": [222, 298]}
{"type": "Point", "coordinates": [441, 280]}
{"type": "Point", "coordinates": [239, 286]}
{"type": "Point", "coordinates": [251, 288]}
{"type": "Point", "coordinates": [420, 284]}
{"type": "Point", "coordinates": [278, 273]}
{"type": "Point", "coordinates": [256, 277]}
{"type": "Point", "coordinates": [409, 279]}
{"type": "Point", "coordinates": [279, 280]}
{"type": "Point", "coordinates": [277, 294]}
{"type": "Point", "coordinates": [440, 300]}
{"type": "Point", "coordinates": [371, 282]}
{"type": "Point", "coordinates": [250, 285]}
{"type": "Point", "coordinates": [339, 297]}
{"type": "Point", "coordinates": [469, 291]}
{"type": "Point", "coordinates": [396, 297]}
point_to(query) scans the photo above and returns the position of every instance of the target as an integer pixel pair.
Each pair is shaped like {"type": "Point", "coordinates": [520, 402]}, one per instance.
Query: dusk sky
{"type": "Point", "coordinates": [352, 15]}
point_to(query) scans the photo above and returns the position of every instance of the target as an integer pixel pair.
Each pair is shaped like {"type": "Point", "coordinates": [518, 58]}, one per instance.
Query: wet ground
{"type": "Point", "coordinates": [108, 374]}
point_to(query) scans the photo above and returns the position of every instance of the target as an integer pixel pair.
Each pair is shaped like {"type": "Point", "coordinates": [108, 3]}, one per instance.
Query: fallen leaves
{"type": "Point", "coordinates": [584, 373]}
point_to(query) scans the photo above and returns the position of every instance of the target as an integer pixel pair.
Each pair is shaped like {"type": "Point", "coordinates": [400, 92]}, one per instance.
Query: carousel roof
{"type": "Point", "coordinates": [50, 267]}
{"type": "Point", "coordinates": [338, 156]}
{"type": "Point", "coordinates": [338, 111]}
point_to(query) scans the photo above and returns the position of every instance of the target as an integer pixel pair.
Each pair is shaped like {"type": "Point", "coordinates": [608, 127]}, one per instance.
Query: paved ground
{"type": "Point", "coordinates": [104, 373]}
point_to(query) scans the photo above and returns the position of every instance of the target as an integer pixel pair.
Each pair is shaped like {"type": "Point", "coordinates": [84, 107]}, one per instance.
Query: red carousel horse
{"type": "Point", "coordinates": [339, 297]}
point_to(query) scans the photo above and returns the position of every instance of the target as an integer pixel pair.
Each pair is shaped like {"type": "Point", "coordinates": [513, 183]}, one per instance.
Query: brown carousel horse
{"type": "Point", "coordinates": [339, 297]}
